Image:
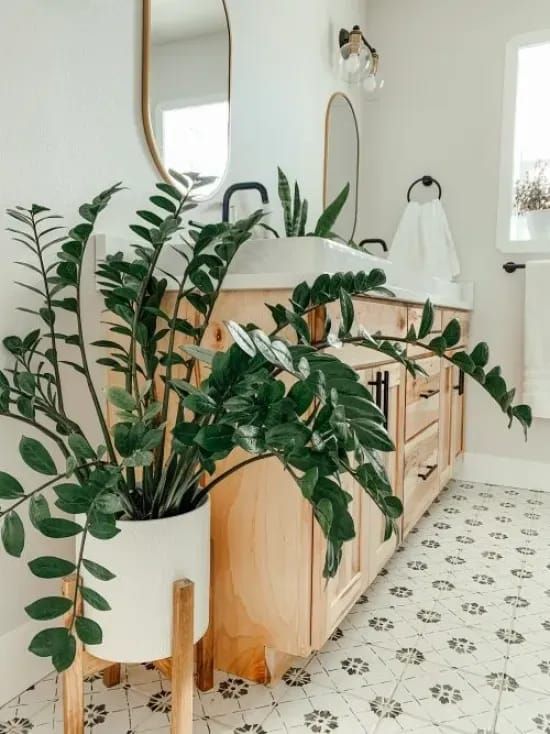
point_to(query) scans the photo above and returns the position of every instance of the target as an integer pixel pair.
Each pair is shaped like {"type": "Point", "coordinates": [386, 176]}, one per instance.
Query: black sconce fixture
{"type": "Point", "coordinates": [358, 59]}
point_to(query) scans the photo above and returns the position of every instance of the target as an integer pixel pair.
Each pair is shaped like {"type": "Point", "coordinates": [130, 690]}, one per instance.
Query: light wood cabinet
{"type": "Point", "coordinates": [270, 600]}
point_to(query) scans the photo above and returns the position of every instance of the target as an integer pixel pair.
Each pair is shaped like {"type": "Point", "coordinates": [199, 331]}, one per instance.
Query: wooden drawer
{"type": "Point", "coordinates": [421, 475]}
{"type": "Point", "coordinates": [414, 319]}
{"type": "Point", "coordinates": [423, 397]}
{"type": "Point", "coordinates": [463, 318]}
{"type": "Point", "coordinates": [388, 318]}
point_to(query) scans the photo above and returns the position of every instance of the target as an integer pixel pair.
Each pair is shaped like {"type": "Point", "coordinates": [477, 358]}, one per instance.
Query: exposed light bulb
{"type": "Point", "coordinates": [370, 85]}
{"type": "Point", "coordinates": [352, 63]}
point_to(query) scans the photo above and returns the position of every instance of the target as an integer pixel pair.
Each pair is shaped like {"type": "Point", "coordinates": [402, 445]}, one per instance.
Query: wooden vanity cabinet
{"type": "Point", "coordinates": [271, 602]}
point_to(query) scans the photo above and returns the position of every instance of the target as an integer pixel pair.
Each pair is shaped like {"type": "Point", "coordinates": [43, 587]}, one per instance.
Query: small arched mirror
{"type": "Point", "coordinates": [186, 86]}
{"type": "Point", "coordinates": [342, 161]}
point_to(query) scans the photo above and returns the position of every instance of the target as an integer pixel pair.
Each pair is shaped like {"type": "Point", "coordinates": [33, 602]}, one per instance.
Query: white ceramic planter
{"type": "Point", "coordinates": [147, 557]}
{"type": "Point", "coordinates": [538, 224]}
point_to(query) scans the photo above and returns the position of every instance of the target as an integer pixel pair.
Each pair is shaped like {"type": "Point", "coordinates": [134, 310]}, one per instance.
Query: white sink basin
{"type": "Point", "coordinates": [284, 262]}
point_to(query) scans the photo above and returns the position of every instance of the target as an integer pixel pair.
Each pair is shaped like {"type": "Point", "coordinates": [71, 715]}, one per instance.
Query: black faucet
{"type": "Point", "coordinates": [374, 241]}
{"type": "Point", "coordinates": [244, 186]}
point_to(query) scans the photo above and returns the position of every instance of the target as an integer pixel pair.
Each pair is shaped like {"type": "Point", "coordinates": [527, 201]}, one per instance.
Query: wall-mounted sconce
{"type": "Point", "coordinates": [358, 60]}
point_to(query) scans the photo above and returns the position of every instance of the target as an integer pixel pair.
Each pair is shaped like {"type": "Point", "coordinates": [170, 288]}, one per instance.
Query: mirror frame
{"type": "Point", "coordinates": [145, 88]}
{"type": "Point", "coordinates": [357, 168]}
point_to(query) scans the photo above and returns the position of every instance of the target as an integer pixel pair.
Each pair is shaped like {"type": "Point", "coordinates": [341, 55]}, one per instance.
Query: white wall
{"type": "Point", "coordinates": [440, 113]}
{"type": "Point", "coordinates": [71, 126]}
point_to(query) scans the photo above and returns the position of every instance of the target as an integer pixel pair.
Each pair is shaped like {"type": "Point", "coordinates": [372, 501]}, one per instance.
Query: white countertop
{"type": "Point", "coordinates": [276, 264]}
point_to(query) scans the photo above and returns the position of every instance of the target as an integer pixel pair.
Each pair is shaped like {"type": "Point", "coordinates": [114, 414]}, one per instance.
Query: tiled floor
{"type": "Point", "coordinates": [454, 636]}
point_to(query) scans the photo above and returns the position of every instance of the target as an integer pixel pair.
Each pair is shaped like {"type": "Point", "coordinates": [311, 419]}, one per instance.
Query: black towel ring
{"type": "Point", "coordinates": [426, 181]}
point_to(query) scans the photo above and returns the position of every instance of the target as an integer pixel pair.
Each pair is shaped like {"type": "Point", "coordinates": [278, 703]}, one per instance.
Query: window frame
{"type": "Point", "coordinates": [505, 243]}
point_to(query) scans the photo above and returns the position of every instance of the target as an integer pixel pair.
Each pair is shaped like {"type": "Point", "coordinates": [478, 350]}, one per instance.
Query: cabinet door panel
{"type": "Point", "coordinates": [421, 475]}
{"type": "Point", "coordinates": [423, 397]}
{"type": "Point", "coordinates": [379, 550]}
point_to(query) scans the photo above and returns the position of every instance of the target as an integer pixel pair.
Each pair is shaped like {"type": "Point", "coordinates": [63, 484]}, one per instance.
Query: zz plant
{"type": "Point", "coordinates": [324, 425]}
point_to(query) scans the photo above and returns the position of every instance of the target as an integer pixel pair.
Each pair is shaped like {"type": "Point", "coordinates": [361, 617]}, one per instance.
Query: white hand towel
{"type": "Point", "coordinates": [536, 385]}
{"type": "Point", "coordinates": [423, 242]}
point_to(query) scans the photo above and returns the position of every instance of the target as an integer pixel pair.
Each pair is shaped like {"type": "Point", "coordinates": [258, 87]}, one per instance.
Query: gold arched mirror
{"type": "Point", "coordinates": [186, 79]}
{"type": "Point", "coordinates": [342, 160]}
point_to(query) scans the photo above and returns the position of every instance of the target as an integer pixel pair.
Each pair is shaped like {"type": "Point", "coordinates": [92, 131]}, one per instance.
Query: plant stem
{"type": "Point", "coordinates": [55, 360]}
{"type": "Point", "coordinates": [209, 487]}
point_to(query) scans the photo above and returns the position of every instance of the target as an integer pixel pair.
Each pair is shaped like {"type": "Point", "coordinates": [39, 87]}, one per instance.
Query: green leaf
{"type": "Point", "coordinates": [464, 361]}
{"type": "Point", "coordinates": [25, 382]}
{"type": "Point", "coordinates": [241, 338]}
{"type": "Point", "coordinates": [324, 514]}
{"type": "Point", "coordinates": [108, 503]}
{"type": "Point", "coordinates": [94, 599]}
{"type": "Point", "coordinates": [88, 631]}
{"type": "Point", "coordinates": [49, 567]}
{"type": "Point", "coordinates": [10, 488]}
{"type": "Point", "coordinates": [164, 203]}
{"type": "Point", "coordinates": [49, 607]}
{"type": "Point", "coordinates": [480, 355]}
{"type": "Point", "coordinates": [300, 297]}
{"type": "Point", "coordinates": [200, 403]}
{"type": "Point", "coordinates": [427, 320]}
{"type": "Point", "coordinates": [452, 333]}
{"type": "Point", "coordinates": [98, 571]}
{"type": "Point", "coordinates": [202, 281]}
{"type": "Point", "coordinates": [13, 535]}
{"type": "Point", "coordinates": [59, 527]}
{"type": "Point", "coordinates": [38, 510]}
{"type": "Point", "coordinates": [49, 641]}
{"type": "Point", "coordinates": [215, 438]}
{"type": "Point", "coordinates": [80, 447]}
{"type": "Point", "coordinates": [36, 456]}
{"type": "Point", "coordinates": [121, 399]}
{"type": "Point", "coordinates": [286, 200]}
{"type": "Point", "coordinates": [308, 482]}
{"type": "Point", "coordinates": [63, 657]}
{"type": "Point", "coordinates": [328, 218]}
{"type": "Point", "coordinates": [103, 529]}
{"type": "Point", "coordinates": [348, 314]}
{"type": "Point", "coordinates": [185, 433]}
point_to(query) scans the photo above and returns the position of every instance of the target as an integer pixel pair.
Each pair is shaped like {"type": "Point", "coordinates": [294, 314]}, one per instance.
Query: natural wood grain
{"type": "Point", "coordinates": [205, 646]}
{"type": "Point", "coordinates": [182, 658]}
{"type": "Point", "coordinates": [73, 678]}
{"type": "Point", "coordinates": [446, 458]}
{"type": "Point", "coordinates": [379, 550]}
{"type": "Point", "coordinates": [112, 675]}
{"type": "Point", "coordinates": [423, 397]}
{"type": "Point", "coordinates": [457, 417]}
{"type": "Point", "coordinates": [421, 459]}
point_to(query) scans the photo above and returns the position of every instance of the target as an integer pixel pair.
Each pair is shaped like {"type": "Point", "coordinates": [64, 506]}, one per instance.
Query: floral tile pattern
{"type": "Point", "coordinates": [453, 637]}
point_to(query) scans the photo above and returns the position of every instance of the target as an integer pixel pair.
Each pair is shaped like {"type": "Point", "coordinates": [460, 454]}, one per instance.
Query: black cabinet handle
{"type": "Point", "coordinates": [429, 394]}
{"type": "Point", "coordinates": [382, 394]}
{"type": "Point", "coordinates": [431, 468]}
{"type": "Point", "coordinates": [460, 386]}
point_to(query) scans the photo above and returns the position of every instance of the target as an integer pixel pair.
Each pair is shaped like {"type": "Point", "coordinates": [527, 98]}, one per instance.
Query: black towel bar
{"type": "Point", "coordinates": [511, 267]}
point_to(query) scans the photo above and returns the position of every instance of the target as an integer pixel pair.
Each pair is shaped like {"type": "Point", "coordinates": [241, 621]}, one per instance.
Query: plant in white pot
{"type": "Point", "coordinates": [532, 200]}
{"type": "Point", "coordinates": [141, 497]}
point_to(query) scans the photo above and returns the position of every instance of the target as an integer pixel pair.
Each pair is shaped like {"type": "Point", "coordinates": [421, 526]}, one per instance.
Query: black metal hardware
{"type": "Point", "coordinates": [429, 394]}
{"type": "Point", "coordinates": [511, 267]}
{"type": "Point", "coordinates": [426, 181]}
{"type": "Point", "coordinates": [374, 241]}
{"type": "Point", "coordinates": [244, 186]}
{"type": "Point", "coordinates": [431, 468]}
{"type": "Point", "coordinates": [460, 386]}
{"type": "Point", "coordinates": [382, 393]}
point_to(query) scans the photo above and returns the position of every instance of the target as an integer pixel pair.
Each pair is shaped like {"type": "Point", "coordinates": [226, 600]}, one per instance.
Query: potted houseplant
{"type": "Point", "coordinates": [532, 200]}
{"type": "Point", "coordinates": [141, 497]}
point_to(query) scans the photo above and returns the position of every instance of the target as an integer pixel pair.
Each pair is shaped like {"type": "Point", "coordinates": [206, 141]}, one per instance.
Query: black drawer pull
{"type": "Point", "coordinates": [429, 394]}
{"type": "Point", "coordinates": [460, 386]}
{"type": "Point", "coordinates": [382, 395]}
{"type": "Point", "coordinates": [431, 468]}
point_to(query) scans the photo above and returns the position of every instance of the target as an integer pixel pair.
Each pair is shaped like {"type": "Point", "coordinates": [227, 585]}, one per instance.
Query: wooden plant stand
{"type": "Point", "coordinates": [179, 668]}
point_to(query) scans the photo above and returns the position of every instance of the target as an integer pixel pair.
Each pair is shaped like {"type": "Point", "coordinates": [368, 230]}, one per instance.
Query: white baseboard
{"type": "Point", "coordinates": [504, 471]}
{"type": "Point", "coordinates": [19, 668]}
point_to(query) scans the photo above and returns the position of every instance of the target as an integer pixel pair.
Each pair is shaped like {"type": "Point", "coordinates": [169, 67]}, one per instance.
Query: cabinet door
{"type": "Point", "coordinates": [332, 601]}
{"type": "Point", "coordinates": [392, 400]}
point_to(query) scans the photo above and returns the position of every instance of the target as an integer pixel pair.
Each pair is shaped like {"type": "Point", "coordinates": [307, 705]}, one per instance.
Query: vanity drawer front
{"type": "Point", "coordinates": [415, 319]}
{"type": "Point", "coordinates": [421, 475]}
{"type": "Point", "coordinates": [463, 318]}
{"type": "Point", "coordinates": [390, 319]}
{"type": "Point", "coordinates": [423, 397]}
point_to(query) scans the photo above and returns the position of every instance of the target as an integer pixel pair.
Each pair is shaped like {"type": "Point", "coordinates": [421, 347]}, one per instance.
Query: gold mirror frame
{"type": "Point", "coordinates": [145, 88]}
{"type": "Point", "coordinates": [357, 167]}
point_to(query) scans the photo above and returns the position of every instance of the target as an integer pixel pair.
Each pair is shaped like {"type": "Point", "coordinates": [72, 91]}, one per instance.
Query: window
{"type": "Point", "coordinates": [194, 138]}
{"type": "Point", "coordinates": [525, 166]}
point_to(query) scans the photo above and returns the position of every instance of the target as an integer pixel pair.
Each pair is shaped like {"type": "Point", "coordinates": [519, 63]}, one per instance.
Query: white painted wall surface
{"type": "Point", "coordinates": [440, 113]}
{"type": "Point", "coordinates": [70, 126]}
